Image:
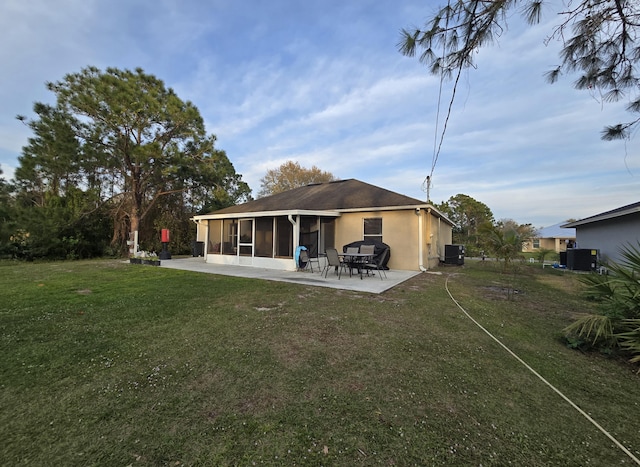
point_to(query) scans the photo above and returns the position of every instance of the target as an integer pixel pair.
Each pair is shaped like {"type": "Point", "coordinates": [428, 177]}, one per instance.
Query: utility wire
{"type": "Point", "coordinates": [444, 128]}
{"type": "Point", "coordinates": [438, 146]}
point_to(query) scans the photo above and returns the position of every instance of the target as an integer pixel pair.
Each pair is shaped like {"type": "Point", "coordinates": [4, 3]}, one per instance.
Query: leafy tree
{"type": "Point", "coordinates": [52, 160]}
{"type": "Point", "coordinates": [61, 227]}
{"type": "Point", "coordinates": [7, 216]}
{"type": "Point", "coordinates": [505, 239]}
{"type": "Point", "coordinates": [127, 138]}
{"type": "Point", "coordinates": [55, 217]}
{"type": "Point", "coordinates": [599, 44]}
{"type": "Point", "coordinates": [468, 214]}
{"type": "Point", "coordinates": [291, 175]}
{"type": "Point", "coordinates": [525, 231]}
{"type": "Point", "coordinates": [617, 323]}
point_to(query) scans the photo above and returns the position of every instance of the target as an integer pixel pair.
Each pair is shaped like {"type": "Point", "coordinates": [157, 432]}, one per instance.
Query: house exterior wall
{"type": "Point", "coordinates": [401, 231]}
{"type": "Point", "coordinates": [556, 244]}
{"type": "Point", "coordinates": [552, 244]}
{"type": "Point", "coordinates": [201, 231]}
{"type": "Point", "coordinates": [610, 235]}
{"type": "Point", "coordinates": [438, 234]}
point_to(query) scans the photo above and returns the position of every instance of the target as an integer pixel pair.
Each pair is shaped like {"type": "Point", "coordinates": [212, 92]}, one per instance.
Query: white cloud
{"type": "Point", "coordinates": [323, 84]}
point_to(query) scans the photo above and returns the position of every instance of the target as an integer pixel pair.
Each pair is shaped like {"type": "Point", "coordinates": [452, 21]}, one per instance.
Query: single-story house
{"type": "Point", "coordinates": [267, 232]}
{"type": "Point", "coordinates": [609, 231]}
{"type": "Point", "coordinates": [554, 237]}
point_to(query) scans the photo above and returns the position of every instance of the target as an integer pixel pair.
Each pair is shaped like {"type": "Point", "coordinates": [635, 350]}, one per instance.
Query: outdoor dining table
{"type": "Point", "coordinates": [356, 260]}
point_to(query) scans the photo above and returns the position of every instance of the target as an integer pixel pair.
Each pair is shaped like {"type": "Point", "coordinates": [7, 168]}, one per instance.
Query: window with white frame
{"type": "Point", "coordinates": [373, 228]}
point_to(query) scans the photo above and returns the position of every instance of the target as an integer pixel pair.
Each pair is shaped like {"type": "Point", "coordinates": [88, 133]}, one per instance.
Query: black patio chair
{"type": "Point", "coordinates": [314, 260]}
{"type": "Point", "coordinates": [350, 261]}
{"type": "Point", "coordinates": [367, 249]}
{"type": "Point", "coordinates": [377, 264]}
{"type": "Point", "coordinates": [333, 261]}
{"type": "Point", "coordinates": [308, 261]}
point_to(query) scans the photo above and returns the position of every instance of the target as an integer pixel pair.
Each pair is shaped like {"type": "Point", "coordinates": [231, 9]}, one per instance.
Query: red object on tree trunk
{"type": "Point", "coordinates": [165, 235]}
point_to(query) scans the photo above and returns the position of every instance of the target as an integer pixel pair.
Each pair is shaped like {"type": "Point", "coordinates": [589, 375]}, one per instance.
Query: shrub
{"type": "Point", "coordinates": [617, 324]}
{"type": "Point", "coordinates": [544, 253]}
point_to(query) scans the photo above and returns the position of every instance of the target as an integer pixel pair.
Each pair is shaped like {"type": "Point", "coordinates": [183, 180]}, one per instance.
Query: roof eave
{"type": "Point", "coordinates": [321, 213]}
{"type": "Point", "coordinates": [244, 215]}
{"type": "Point", "coordinates": [601, 217]}
{"type": "Point", "coordinates": [384, 208]}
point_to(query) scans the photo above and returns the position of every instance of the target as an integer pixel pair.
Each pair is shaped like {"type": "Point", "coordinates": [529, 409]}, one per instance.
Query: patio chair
{"type": "Point", "coordinates": [307, 261]}
{"type": "Point", "coordinates": [377, 264]}
{"type": "Point", "coordinates": [367, 249]}
{"type": "Point", "coordinates": [351, 262]}
{"type": "Point", "coordinates": [333, 261]}
{"type": "Point", "coordinates": [314, 260]}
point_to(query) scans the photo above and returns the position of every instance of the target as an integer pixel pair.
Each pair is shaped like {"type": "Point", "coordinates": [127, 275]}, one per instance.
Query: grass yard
{"type": "Point", "coordinates": [106, 363]}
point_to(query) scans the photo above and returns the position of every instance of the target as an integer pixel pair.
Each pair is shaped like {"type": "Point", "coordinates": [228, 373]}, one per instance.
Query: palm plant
{"type": "Point", "coordinates": [504, 241]}
{"type": "Point", "coordinates": [543, 253]}
{"type": "Point", "coordinates": [617, 323]}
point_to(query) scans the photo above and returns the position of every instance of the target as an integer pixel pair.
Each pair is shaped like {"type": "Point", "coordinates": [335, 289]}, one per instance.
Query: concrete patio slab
{"type": "Point", "coordinates": [370, 284]}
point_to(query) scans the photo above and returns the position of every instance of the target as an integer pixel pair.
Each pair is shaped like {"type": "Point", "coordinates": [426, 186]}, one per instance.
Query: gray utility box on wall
{"type": "Point", "coordinates": [454, 254]}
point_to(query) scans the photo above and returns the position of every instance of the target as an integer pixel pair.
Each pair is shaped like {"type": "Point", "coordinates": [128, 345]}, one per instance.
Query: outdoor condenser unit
{"type": "Point", "coordinates": [563, 258]}
{"type": "Point", "coordinates": [454, 254]}
{"type": "Point", "coordinates": [582, 259]}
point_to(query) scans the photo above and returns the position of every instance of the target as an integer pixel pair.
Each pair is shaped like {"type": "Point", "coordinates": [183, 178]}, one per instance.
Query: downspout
{"type": "Point", "coordinates": [430, 231]}
{"type": "Point", "coordinates": [420, 241]}
{"type": "Point", "coordinates": [296, 231]}
{"type": "Point", "coordinates": [439, 247]}
{"type": "Point", "coordinates": [206, 240]}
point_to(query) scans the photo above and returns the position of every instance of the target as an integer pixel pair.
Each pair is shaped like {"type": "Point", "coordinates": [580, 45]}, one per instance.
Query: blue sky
{"type": "Point", "coordinates": [322, 83]}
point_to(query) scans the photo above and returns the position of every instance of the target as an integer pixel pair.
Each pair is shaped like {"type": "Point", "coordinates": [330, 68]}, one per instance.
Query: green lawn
{"type": "Point", "coordinates": [106, 363]}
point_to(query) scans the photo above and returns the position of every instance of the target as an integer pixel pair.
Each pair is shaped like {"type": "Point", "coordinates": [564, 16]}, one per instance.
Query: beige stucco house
{"type": "Point", "coordinates": [554, 237]}
{"type": "Point", "coordinates": [266, 232]}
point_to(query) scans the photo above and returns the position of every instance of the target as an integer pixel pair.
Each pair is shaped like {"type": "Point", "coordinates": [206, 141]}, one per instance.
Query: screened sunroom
{"type": "Point", "coordinates": [267, 240]}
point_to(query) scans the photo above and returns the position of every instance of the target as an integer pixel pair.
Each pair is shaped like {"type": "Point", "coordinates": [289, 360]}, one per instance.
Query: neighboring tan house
{"type": "Point", "coordinates": [266, 232]}
{"type": "Point", "coordinates": [554, 237]}
{"type": "Point", "coordinates": [609, 231]}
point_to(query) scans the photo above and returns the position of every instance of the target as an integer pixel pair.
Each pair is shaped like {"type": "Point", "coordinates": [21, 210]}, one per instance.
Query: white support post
{"type": "Point", "coordinates": [133, 243]}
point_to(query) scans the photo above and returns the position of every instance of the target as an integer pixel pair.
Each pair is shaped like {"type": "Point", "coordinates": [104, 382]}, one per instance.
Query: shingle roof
{"type": "Point", "coordinates": [623, 211]}
{"type": "Point", "coordinates": [331, 196]}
